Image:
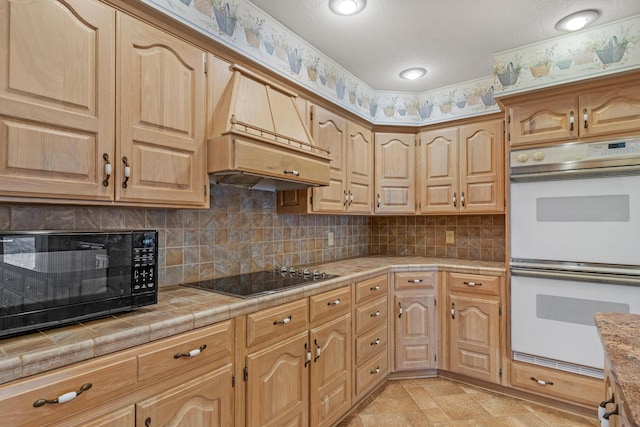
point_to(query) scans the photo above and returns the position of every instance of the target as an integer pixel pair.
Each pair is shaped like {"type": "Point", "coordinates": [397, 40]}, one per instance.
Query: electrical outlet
{"type": "Point", "coordinates": [451, 237]}
{"type": "Point", "coordinates": [330, 238]}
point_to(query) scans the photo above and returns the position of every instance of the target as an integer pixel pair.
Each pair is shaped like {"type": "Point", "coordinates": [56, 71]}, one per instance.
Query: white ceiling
{"type": "Point", "coordinates": [453, 39]}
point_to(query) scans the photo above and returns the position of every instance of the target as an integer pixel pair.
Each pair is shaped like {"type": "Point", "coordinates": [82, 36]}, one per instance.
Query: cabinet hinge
{"type": "Point", "coordinates": [205, 190]}
{"type": "Point", "coordinates": [509, 119]}
{"type": "Point", "coordinates": [500, 310]}
{"type": "Point", "coordinates": [508, 136]}
{"type": "Point", "coordinates": [435, 302]}
{"type": "Point", "coordinates": [435, 357]}
{"type": "Point", "coordinates": [233, 381]}
{"type": "Point", "coordinates": [205, 66]}
{"type": "Point", "coordinates": [311, 200]}
{"type": "Point", "coordinates": [311, 115]}
{"type": "Point", "coordinates": [500, 373]}
{"type": "Point", "coordinates": [246, 373]}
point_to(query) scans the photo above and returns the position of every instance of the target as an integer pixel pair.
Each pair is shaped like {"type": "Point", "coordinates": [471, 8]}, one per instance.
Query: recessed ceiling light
{"type": "Point", "coordinates": [577, 20]}
{"type": "Point", "coordinates": [347, 7]}
{"type": "Point", "coordinates": [413, 73]}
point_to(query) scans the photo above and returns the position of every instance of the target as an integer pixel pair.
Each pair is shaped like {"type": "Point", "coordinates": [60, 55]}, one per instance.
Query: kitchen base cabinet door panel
{"type": "Point", "coordinates": [205, 401]}
{"type": "Point", "coordinates": [331, 371]}
{"type": "Point", "coordinates": [415, 333]}
{"type": "Point", "coordinates": [278, 384]}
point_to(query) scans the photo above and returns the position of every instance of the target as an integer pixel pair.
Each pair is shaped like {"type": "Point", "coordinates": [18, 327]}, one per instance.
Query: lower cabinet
{"type": "Point", "coordinates": [613, 407]}
{"type": "Point", "coordinates": [204, 401]}
{"type": "Point", "coordinates": [302, 375]}
{"type": "Point", "coordinates": [415, 320]}
{"type": "Point", "coordinates": [473, 325]}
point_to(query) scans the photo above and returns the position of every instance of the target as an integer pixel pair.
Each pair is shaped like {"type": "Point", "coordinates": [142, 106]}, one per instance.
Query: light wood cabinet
{"type": "Point", "coordinates": [395, 191]}
{"type": "Point", "coordinates": [204, 401]}
{"type": "Point", "coordinates": [161, 116]}
{"type": "Point", "coordinates": [460, 169]}
{"type": "Point", "coordinates": [614, 401]}
{"type": "Point", "coordinates": [584, 111]}
{"type": "Point", "coordinates": [351, 167]}
{"type": "Point", "coordinates": [300, 374]}
{"type": "Point", "coordinates": [65, 131]}
{"type": "Point", "coordinates": [370, 313]}
{"type": "Point", "coordinates": [474, 326]}
{"type": "Point", "coordinates": [415, 317]}
{"type": "Point", "coordinates": [57, 98]}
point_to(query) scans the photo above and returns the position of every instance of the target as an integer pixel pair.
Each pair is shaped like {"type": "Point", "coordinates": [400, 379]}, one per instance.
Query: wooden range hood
{"type": "Point", "coordinates": [260, 139]}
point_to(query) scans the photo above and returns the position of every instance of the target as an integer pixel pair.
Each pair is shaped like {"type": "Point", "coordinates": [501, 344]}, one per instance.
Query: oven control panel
{"type": "Point", "coordinates": [576, 152]}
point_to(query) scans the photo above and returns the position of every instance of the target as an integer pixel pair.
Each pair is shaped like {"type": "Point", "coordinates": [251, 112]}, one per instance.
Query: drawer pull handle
{"type": "Point", "coordinates": [64, 397]}
{"type": "Point", "coordinates": [608, 414]}
{"type": "Point", "coordinates": [375, 288]}
{"type": "Point", "coordinates": [283, 321]}
{"type": "Point", "coordinates": [376, 371]}
{"type": "Point", "coordinates": [454, 200]}
{"type": "Point", "coordinates": [453, 310]}
{"type": "Point", "coordinates": [107, 170]}
{"type": "Point", "coordinates": [602, 408]}
{"type": "Point", "coordinates": [399, 310]}
{"type": "Point", "coordinates": [541, 382]}
{"type": "Point", "coordinates": [292, 172]}
{"type": "Point", "coordinates": [336, 302]}
{"type": "Point", "coordinates": [415, 281]}
{"type": "Point", "coordinates": [376, 342]}
{"type": "Point", "coordinates": [571, 120]}
{"type": "Point", "coordinates": [472, 284]}
{"type": "Point", "coordinates": [127, 171]}
{"type": "Point", "coordinates": [376, 314]}
{"type": "Point", "coordinates": [147, 422]}
{"type": "Point", "coordinates": [318, 350]}
{"type": "Point", "coordinates": [585, 117]}
{"type": "Point", "coordinates": [192, 353]}
{"type": "Point", "coordinates": [308, 350]}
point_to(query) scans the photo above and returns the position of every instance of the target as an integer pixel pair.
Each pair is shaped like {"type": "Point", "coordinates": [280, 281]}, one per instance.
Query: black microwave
{"type": "Point", "coordinates": [50, 279]}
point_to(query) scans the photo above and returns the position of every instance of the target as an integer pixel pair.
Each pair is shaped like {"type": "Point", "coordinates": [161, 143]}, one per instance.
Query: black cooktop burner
{"type": "Point", "coordinates": [252, 285]}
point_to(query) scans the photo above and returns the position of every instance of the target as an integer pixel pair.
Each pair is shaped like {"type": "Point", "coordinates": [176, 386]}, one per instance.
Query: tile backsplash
{"type": "Point", "coordinates": [242, 232]}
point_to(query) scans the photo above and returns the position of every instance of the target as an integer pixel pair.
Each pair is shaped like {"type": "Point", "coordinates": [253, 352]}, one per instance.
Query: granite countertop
{"type": "Point", "coordinates": [181, 309]}
{"type": "Point", "coordinates": [621, 341]}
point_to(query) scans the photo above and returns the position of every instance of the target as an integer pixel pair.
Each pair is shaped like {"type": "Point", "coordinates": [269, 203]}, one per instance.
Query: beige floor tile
{"type": "Point", "coordinates": [422, 397]}
{"type": "Point", "coordinates": [460, 407]}
{"type": "Point", "coordinates": [379, 420]}
{"type": "Point", "coordinates": [499, 405]}
{"type": "Point", "coordinates": [557, 418]}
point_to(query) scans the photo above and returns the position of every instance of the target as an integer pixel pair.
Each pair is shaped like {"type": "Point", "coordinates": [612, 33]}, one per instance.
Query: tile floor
{"type": "Point", "coordinates": [440, 402]}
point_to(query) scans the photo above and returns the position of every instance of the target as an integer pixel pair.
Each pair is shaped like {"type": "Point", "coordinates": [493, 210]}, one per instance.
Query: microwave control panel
{"type": "Point", "coordinates": [144, 269]}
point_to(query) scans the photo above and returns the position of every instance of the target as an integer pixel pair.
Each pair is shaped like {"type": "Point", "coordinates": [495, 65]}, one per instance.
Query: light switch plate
{"type": "Point", "coordinates": [330, 238]}
{"type": "Point", "coordinates": [450, 236]}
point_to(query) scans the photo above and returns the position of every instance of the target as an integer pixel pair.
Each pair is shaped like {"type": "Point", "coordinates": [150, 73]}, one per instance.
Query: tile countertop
{"type": "Point", "coordinates": [621, 341]}
{"type": "Point", "coordinates": [181, 309]}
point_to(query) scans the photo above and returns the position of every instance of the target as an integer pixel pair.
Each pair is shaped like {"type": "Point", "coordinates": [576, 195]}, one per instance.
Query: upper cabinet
{"type": "Point", "coordinates": [161, 116]}
{"type": "Point", "coordinates": [395, 173]}
{"type": "Point", "coordinates": [582, 112]}
{"type": "Point", "coordinates": [351, 167]}
{"type": "Point", "coordinates": [65, 132]}
{"type": "Point", "coordinates": [461, 169]}
{"type": "Point", "coordinates": [57, 98]}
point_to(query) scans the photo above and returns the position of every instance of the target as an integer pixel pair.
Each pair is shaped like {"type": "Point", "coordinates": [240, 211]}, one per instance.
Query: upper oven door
{"type": "Point", "coordinates": [594, 220]}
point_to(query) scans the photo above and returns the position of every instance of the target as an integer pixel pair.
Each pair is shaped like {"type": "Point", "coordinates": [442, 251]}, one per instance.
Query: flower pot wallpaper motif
{"type": "Point", "coordinates": [340, 88]}
{"type": "Point", "coordinates": [425, 110]}
{"type": "Point", "coordinates": [295, 61]}
{"type": "Point", "coordinates": [613, 48]}
{"type": "Point", "coordinates": [507, 73]}
{"type": "Point", "coordinates": [312, 68]}
{"type": "Point", "coordinates": [487, 97]}
{"type": "Point", "coordinates": [225, 17]}
{"type": "Point", "coordinates": [253, 31]}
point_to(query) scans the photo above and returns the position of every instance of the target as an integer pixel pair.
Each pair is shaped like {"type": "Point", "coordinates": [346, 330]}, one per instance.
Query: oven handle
{"type": "Point", "coordinates": [572, 172]}
{"type": "Point", "coordinates": [580, 276]}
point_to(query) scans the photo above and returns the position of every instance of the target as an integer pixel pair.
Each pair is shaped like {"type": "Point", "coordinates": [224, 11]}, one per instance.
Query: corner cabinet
{"type": "Point", "coordinates": [460, 169]}
{"type": "Point", "coordinates": [607, 108]}
{"type": "Point", "coordinates": [66, 126]}
{"type": "Point", "coordinates": [416, 320]}
{"type": "Point", "coordinates": [395, 191]}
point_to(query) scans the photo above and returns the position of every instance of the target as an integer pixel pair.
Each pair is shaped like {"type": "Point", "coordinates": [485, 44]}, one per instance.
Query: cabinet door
{"type": "Point", "coordinates": [330, 394]}
{"type": "Point", "coordinates": [610, 111]}
{"type": "Point", "coordinates": [205, 401]}
{"type": "Point", "coordinates": [330, 131]}
{"type": "Point", "coordinates": [439, 171]}
{"type": "Point", "coordinates": [278, 384]}
{"type": "Point", "coordinates": [415, 318]}
{"type": "Point", "coordinates": [548, 120]}
{"type": "Point", "coordinates": [161, 110]}
{"type": "Point", "coordinates": [57, 95]}
{"type": "Point", "coordinates": [360, 168]}
{"type": "Point", "coordinates": [395, 173]}
{"type": "Point", "coordinates": [474, 337]}
{"type": "Point", "coordinates": [481, 171]}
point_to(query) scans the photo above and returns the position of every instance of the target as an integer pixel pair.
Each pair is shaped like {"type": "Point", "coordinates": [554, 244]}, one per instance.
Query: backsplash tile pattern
{"type": "Point", "coordinates": [242, 232]}
{"type": "Point", "coordinates": [475, 236]}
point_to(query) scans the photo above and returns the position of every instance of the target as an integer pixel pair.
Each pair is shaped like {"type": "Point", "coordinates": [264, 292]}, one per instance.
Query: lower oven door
{"type": "Point", "coordinates": [593, 219]}
{"type": "Point", "coordinates": [552, 315]}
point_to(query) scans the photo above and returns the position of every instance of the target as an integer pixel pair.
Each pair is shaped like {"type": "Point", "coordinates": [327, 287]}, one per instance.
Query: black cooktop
{"type": "Point", "coordinates": [253, 285]}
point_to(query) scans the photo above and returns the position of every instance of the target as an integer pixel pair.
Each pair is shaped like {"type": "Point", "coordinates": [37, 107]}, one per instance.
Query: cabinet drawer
{"type": "Point", "coordinates": [371, 315]}
{"type": "Point", "coordinates": [371, 343]}
{"type": "Point", "coordinates": [108, 377]}
{"type": "Point", "coordinates": [329, 305]}
{"type": "Point", "coordinates": [280, 321]}
{"type": "Point", "coordinates": [158, 360]}
{"type": "Point", "coordinates": [371, 288]}
{"type": "Point", "coordinates": [414, 280]}
{"type": "Point", "coordinates": [473, 283]}
{"type": "Point", "coordinates": [371, 373]}
{"type": "Point", "coordinates": [574, 388]}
